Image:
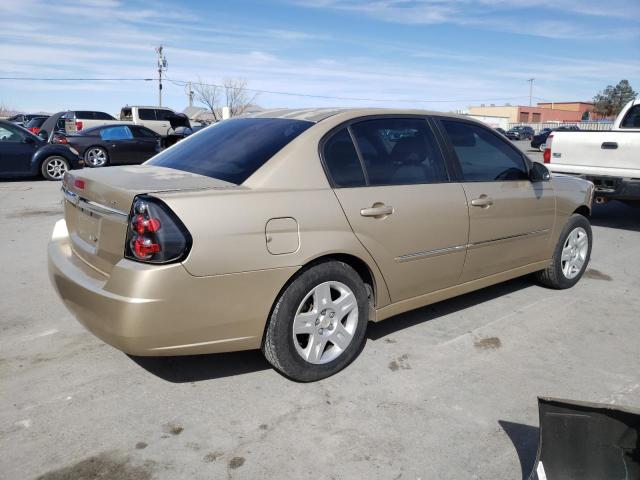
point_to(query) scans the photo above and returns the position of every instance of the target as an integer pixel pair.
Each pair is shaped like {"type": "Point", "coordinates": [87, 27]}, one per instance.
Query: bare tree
{"type": "Point", "coordinates": [237, 97]}
{"type": "Point", "coordinates": [5, 111]}
{"type": "Point", "coordinates": [210, 96]}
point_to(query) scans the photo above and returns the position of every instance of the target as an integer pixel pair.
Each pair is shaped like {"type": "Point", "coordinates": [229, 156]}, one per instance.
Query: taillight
{"type": "Point", "coordinates": [155, 234]}
{"type": "Point", "coordinates": [78, 125]}
{"type": "Point", "coordinates": [34, 130]}
{"type": "Point", "coordinates": [546, 156]}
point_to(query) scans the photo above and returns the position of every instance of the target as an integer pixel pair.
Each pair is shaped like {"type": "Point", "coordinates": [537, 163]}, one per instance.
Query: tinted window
{"type": "Point", "coordinates": [36, 122]}
{"type": "Point", "coordinates": [102, 116]}
{"type": "Point", "coordinates": [140, 132]}
{"type": "Point", "coordinates": [116, 133]}
{"type": "Point", "coordinates": [399, 151]}
{"type": "Point", "coordinates": [163, 114]}
{"type": "Point", "coordinates": [632, 118]}
{"type": "Point", "coordinates": [342, 161]}
{"type": "Point", "coordinates": [126, 114]}
{"type": "Point", "coordinates": [146, 114]}
{"type": "Point", "coordinates": [483, 156]}
{"type": "Point", "coordinates": [231, 150]}
{"type": "Point", "coordinates": [10, 134]}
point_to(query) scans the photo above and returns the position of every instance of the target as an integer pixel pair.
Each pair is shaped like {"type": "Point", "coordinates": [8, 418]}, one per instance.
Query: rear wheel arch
{"type": "Point", "coordinates": [360, 266]}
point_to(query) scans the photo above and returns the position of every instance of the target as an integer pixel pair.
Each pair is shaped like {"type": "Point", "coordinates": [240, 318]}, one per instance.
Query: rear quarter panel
{"type": "Point", "coordinates": [571, 194]}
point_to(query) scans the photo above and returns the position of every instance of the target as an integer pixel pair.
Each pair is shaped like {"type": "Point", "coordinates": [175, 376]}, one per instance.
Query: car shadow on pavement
{"type": "Point", "coordinates": [525, 441]}
{"type": "Point", "coordinates": [377, 330]}
{"type": "Point", "coordinates": [196, 368]}
{"type": "Point", "coordinates": [616, 214]}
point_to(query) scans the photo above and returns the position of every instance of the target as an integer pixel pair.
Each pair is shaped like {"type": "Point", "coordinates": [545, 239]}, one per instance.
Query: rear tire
{"type": "Point", "coordinates": [325, 303]}
{"type": "Point", "coordinates": [96, 157]}
{"type": "Point", "coordinates": [571, 255]}
{"type": "Point", "coordinates": [53, 168]}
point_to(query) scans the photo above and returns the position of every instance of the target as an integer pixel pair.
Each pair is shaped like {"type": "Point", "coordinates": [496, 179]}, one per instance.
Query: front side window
{"type": "Point", "coordinates": [399, 151]}
{"type": "Point", "coordinates": [141, 132]}
{"type": "Point", "coordinates": [483, 156]}
{"type": "Point", "coordinates": [10, 134]}
{"type": "Point", "coordinates": [116, 133]}
{"type": "Point", "coordinates": [632, 118]}
{"type": "Point", "coordinates": [231, 150]}
{"type": "Point", "coordinates": [341, 160]}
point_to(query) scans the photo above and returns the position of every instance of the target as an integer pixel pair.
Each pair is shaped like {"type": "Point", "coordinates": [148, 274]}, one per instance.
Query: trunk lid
{"type": "Point", "coordinates": [97, 204]}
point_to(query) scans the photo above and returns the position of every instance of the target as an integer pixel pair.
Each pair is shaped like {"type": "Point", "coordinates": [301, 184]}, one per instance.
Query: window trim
{"type": "Point", "coordinates": [626, 115]}
{"type": "Point", "coordinates": [348, 123]}
{"type": "Point", "coordinates": [454, 157]}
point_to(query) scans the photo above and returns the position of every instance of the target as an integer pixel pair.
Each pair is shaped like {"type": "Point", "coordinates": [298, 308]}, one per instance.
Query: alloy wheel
{"type": "Point", "coordinates": [96, 157]}
{"type": "Point", "coordinates": [56, 168]}
{"type": "Point", "coordinates": [325, 322]}
{"type": "Point", "coordinates": [574, 252]}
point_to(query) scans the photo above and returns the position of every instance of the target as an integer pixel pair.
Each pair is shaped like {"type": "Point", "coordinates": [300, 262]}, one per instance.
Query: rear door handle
{"type": "Point", "coordinates": [483, 201]}
{"type": "Point", "coordinates": [378, 210]}
{"type": "Point", "coordinates": [609, 145]}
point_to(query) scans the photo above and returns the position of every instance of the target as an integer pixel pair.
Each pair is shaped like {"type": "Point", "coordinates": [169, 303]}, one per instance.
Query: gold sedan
{"type": "Point", "coordinates": [290, 230]}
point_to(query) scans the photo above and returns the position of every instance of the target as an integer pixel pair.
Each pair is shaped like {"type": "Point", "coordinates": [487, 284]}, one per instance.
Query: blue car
{"type": "Point", "coordinates": [23, 154]}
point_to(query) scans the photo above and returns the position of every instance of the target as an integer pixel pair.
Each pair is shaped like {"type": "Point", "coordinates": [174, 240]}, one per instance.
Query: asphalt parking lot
{"type": "Point", "coordinates": [447, 391]}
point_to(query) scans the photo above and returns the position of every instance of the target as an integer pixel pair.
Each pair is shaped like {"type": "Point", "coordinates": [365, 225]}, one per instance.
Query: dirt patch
{"type": "Point", "coordinates": [35, 213]}
{"type": "Point", "coordinates": [390, 340]}
{"type": "Point", "coordinates": [236, 462]}
{"type": "Point", "coordinates": [489, 343]}
{"type": "Point", "coordinates": [173, 428]}
{"type": "Point", "coordinates": [212, 457]}
{"type": "Point", "coordinates": [597, 275]}
{"type": "Point", "coordinates": [141, 445]}
{"type": "Point", "coordinates": [106, 466]}
{"type": "Point", "coordinates": [400, 363]}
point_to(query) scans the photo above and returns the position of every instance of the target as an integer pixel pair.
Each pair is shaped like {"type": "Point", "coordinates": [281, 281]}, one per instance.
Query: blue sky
{"type": "Point", "coordinates": [451, 54]}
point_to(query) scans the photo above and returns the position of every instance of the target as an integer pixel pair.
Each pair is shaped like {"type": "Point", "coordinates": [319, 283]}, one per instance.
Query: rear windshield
{"type": "Point", "coordinates": [36, 122]}
{"type": "Point", "coordinates": [231, 150]}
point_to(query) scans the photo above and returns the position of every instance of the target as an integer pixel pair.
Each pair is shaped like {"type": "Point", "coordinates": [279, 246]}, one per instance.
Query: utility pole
{"type": "Point", "coordinates": [190, 94]}
{"type": "Point", "coordinates": [530, 89]}
{"type": "Point", "coordinates": [162, 66]}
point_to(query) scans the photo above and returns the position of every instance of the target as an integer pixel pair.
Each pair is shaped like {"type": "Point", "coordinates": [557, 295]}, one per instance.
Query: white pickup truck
{"type": "Point", "coordinates": [610, 159]}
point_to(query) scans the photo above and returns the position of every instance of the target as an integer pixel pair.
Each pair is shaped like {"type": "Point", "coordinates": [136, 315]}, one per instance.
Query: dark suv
{"type": "Point", "coordinates": [520, 133]}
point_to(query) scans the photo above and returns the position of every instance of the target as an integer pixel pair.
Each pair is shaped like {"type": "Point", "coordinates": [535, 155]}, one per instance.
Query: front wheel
{"type": "Point", "coordinates": [571, 255]}
{"type": "Point", "coordinates": [318, 323]}
{"type": "Point", "coordinates": [96, 157]}
{"type": "Point", "coordinates": [54, 168]}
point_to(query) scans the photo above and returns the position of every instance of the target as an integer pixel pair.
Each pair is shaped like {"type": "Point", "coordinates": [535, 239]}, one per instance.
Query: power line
{"type": "Point", "coordinates": [183, 83]}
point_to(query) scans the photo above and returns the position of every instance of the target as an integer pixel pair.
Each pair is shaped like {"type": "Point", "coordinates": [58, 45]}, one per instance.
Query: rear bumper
{"type": "Point", "coordinates": [153, 310]}
{"type": "Point", "coordinates": [612, 188]}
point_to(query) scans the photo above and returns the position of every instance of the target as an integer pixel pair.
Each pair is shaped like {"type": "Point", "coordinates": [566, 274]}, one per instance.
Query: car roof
{"type": "Point", "coordinates": [316, 115]}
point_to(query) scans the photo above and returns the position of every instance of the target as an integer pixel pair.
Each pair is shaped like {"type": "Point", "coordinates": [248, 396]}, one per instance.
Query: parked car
{"type": "Point", "coordinates": [157, 119]}
{"type": "Point", "coordinates": [290, 230]}
{"type": "Point", "coordinates": [76, 120]}
{"type": "Point", "coordinates": [22, 118]}
{"type": "Point", "coordinates": [610, 159]}
{"type": "Point", "coordinates": [52, 125]}
{"type": "Point", "coordinates": [520, 133]}
{"type": "Point", "coordinates": [23, 154]}
{"type": "Point", "coordinates": [35, 123]}
{"type": "Point", "coordinates": [538, 141]}
{"type": "Point", "coordinates": [114, 144]}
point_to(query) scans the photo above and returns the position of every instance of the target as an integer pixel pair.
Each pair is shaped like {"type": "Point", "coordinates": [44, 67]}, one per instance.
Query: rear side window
{"type": "Point", "coordinates": [163, 114]}
{"type": "Point", "coordinates": [632, 118]}
{"type": "Point", "coordinates": [146, 114]}
{"type": "Point", "coordinates": [341, 160]}
{"type": "Point", "coordinates": [231, 150]}
{"type": "Point", "coordinates": [36, 122]}
{"type": "Point", "coordinates": [483, 156]}
{"type": "Point", "coordinates": [116, 133]}
{"type": "Point", "coordinates": [89, 115]}
{"type": "Point", "coordinates": [399, 151]}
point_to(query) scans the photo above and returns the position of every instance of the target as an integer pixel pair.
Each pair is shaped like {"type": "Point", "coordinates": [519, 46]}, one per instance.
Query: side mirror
{"type": "Point", "coordinates": [539, 173]}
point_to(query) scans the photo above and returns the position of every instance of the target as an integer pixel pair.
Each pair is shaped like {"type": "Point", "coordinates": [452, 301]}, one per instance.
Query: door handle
{"type": "Point", "coordinates": [377, 210]}
{"type": "Point", "coordinates": [609, 145]}
{"type": "Point", "coordinates": [483, 201]}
